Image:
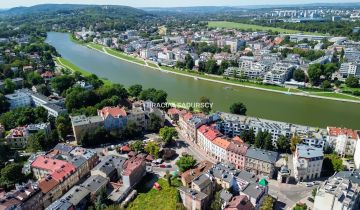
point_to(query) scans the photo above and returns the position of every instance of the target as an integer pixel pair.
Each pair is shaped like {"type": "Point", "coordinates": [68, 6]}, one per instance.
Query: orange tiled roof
{"type": "Point", "coordinates": [113, 111]}
{"type": "Point", "coordinates": [223, 143]}
{"type": "Point", "coordinates": [334, 131]}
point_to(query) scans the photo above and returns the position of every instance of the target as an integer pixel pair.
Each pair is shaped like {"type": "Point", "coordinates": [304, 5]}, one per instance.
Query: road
{"type": "Point", "coordinates": [289, 194]}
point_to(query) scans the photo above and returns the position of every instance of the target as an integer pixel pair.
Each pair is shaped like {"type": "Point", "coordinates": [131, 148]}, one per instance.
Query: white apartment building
{"type": "Point", "coordinates": [307, 162]}
{"type": "Point", "coordinates": [18, 99]}
{"type": "Point", "coordinates": [344, 140]}
{"type": "Point", "coordinates": [339, 192]}
{"type": "Point", "coordinates": [349, 69]}
{"type": "Point", "coordinates": [357, 153]}
{"type": "Point", "coordinates": [279, 73]}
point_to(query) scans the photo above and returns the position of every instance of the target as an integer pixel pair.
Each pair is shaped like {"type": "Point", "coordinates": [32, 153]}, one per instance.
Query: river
{"type": "Point", "coordinates": [263, 104]}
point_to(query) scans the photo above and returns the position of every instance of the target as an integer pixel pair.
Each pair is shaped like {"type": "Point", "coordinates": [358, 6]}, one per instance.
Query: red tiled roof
{"type": "Point", "coordinates": [187, 116]}
{"type": "Point", "coordinates": [47, 74]}
{"type": "Point", "coordinates": [173, 111]}
{"type": "Point", "coordinates": [64, 171]}
{"type": "Point", "coordinates": [238, 148]}
{"type": "Point", "coordinates": [212, 134]}
{"type": "Point", "coordinates": [203, 129]}
{"type": "Point", "coordinates": [131, 164]}
{"type": "Point", "coordinates": [334, 131]}
{"type": "Point", "coordinates": [47, 184]}
{"type": "Point", "coordinates": [49, 164]}
{"type": "Point", "coordinates": [115, 112]}
{"type": "Point", "coordinates": [223, 143]}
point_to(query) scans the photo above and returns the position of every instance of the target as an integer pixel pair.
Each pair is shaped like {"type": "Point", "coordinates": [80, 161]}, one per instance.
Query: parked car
{"type": "Point", "coordinates": [309, 184]}
{"type": "Point", "coordinates": [162, 166]}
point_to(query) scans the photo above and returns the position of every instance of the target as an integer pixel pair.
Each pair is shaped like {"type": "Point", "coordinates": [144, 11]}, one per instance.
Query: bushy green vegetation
{"type": "Point", "coordinates": [166, 197]}
{"type": "Point", "coordinates": [248, 27]}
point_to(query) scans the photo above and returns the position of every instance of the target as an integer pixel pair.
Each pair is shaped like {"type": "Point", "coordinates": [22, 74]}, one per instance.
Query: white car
{"type": "Point", "coordinates": [309, 184]}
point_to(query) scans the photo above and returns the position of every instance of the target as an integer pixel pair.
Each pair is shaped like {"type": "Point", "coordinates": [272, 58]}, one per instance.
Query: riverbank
{"type": "Point", "coordinates": [218, 79]}
{"type": "Point", "coordinates": [68, 65]}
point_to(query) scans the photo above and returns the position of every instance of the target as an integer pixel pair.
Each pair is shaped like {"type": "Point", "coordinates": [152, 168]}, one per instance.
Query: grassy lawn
{"type": "Point", "coordinates": [151, 199]}
{"type": "Point", "coordinates": [67, 64]}
{"type": "Point", "coordinates": [96, 46]}
{"type": "Point", "coordinates": [230, 80]}
{"type": "Point", "coordinates": [152, 64]}
{"type": "Point", "coordinates": [336, 95]}
{"type": "Point", "coordinates": [234, 25]}
{"type": "Point", "coordinates": [124, 56]}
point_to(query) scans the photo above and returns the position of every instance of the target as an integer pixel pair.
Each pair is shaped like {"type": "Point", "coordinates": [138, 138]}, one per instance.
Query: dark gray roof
{"type": "Point", "coordinates": [225, 195]}
{"type": "Point", "coordinates": [63, 148]}
{"type": "Point", "coordinates": [254, 190]}
{"type": "Point", "coordinates": [247, 176]}
{"type": "Point", "coordinates": [263, 155]}
{"type": "Point", "coordinates": [78, 161]}
{"type": "Point", "coordinates": [353, 176]}
{"type": "Point", "coordinates": [94, 183]}
{"type": "Point", "coordinates": [75, 195]}
{"type": "Point", "coordinates": [202, 180]}
{"type": "Point", "coordinates": [59, 205]}
{"type": "Point", "coordinates": [194, 193]}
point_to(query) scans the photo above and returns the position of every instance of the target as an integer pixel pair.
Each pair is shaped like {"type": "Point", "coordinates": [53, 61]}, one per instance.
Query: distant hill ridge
{"type": "Point", "coordinates": [48, 8]}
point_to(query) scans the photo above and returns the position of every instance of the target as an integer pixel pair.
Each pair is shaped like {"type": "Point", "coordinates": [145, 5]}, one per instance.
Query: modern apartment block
{"type": "Point", "coordinates": [339, 192]}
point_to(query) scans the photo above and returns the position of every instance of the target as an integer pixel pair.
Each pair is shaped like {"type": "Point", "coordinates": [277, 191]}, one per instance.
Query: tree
{"type": "Point", "coordinates": [325, 85]}
{"type": "Point", "coordinates": [268, 203]}
{"type": "Point", "coordinates": [152, 148]}
{"type": "Point", "coordinates": [130, 130]}
{"type": "Point", "coordinates": [4, 104]}
{"type": "Point", "coordinates": [299, 75]}
{"type": "Point", "coordinates": [352, 82]}
{"type": "Point", "coordinates": [63, 125]}
{"type": "Point", "coordinates": [216, 203]}
{"type": "Point", "coordinates": [11, 174]}
{"type": "Point", "coordinates": [168, 177]}
{"type": "Point", "coordinates": [9, 86]}
{"type": "Point", "coordinates": [135, 90]}
{"type": "Point", "coordinates": [301, 206]}
{"type": "Point", "coordinates": [155, 122]}
{"type": "Point", "coordinates": [268, 143]}
{"type": "Point", "coordinates": [248, 136]}
{"type": "Point", "coordinates": [94, 137]}
{"type": "Point", "coordinates": [295, 140]}
{"type": "Point", "coordinates": [168, 134]}
{"type": "Point", "coordinates": [238, 108]}
{"type": "Point", "coordinates": [314, 73]}
{"type": "Point", "coordinates": [313, 192]}
{"type": "Point", "coordinates": [283, 144]}
{"type": "Point", "coordinates": [331, 164]}
{"type": "Point", "coordinates": [62, 83]}
{"type": "Point", "coordinates": [156, 96]}
{"type": "Point", "coordinates": [137, 146]}
{"type": "Point", "coordinates": [186, 162]}
{"type": "Point", "coordinates": [205, 105]}
{"type": "Point", "coordinates": [211, 66]}
{"type": "Point", "coordinates": [36, 142]}
{"type": "Point", "coordinates": [5, 153]}
{"type": "Point", "coordinates": [189, 62]}
{"type": "Point", "coordinates": [259, 139]}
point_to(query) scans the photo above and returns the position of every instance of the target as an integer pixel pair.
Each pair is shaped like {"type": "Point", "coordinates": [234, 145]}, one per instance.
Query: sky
{"type": "Point", "coordinates": [163, 3]}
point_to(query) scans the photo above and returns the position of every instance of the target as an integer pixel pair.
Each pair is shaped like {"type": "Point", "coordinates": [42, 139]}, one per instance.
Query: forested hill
{"type": "Point", "coordinates": [73, 17]}
{"type": "Point", "coordinates": [49, 8]}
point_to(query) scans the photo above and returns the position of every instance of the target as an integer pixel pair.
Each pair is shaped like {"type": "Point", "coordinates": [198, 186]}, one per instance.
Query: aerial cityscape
{"type": "Point", "coordinates": [203, 105]}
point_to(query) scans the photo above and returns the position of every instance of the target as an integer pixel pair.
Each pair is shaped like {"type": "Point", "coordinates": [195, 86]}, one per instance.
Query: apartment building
{"type": "Point", "coordinates": [357, 152]}
{"type": "Point", "coordinates": [261, 162]}
{"type": "Point", "coordinates": [236, 153]}
{"type": "Point", "coordinates": [349, 69]}
{"type": "Point", "coordinates": [307, 162]}
{"type": "Point", "coordinates": [233, 125]}
{"type": "Point", "coordinates": [344, 140]}
{"type": "Point", "coordinates": [82, 124]}
{"type": "Point", "coordinates": [339, 192]}
{"type": "Point", "coordinates": [189, 123]}
{"type": "Point", "coordinates": [18, 99]}
{"type": "Point", "coordinates": [280, 73]}
{"type": "Point", "coordinates": [114, 117]}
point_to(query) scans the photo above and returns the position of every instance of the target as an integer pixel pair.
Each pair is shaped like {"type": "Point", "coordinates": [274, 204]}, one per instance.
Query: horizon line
{"type": "Point", "coordinates": [245, 5]}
